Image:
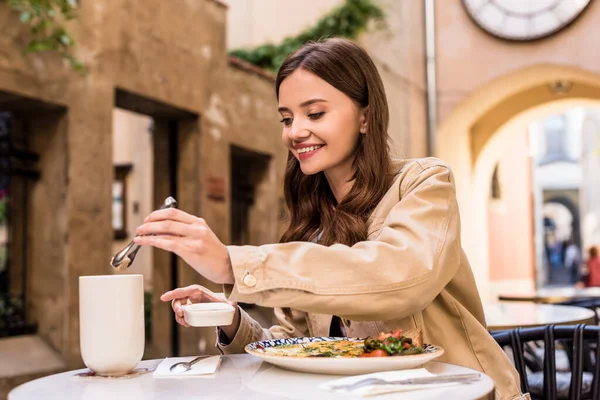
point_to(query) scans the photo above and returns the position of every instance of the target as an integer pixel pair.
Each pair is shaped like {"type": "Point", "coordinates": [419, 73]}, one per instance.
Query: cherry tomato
{"type": "Point", "coordinates": [379, 353]}
{"type": "Point", "coordinates": [397, 333]}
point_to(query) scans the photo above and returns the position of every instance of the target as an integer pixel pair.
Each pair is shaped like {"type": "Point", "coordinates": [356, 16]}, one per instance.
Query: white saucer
{"type": "Point", "coordinates": [208, 314]}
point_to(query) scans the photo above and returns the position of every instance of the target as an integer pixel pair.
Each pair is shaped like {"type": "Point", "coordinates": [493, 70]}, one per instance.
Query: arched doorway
{"type": "Point", "coordinates": [470, 139]}
{"type": "Point", "coordinates": [571, 205]}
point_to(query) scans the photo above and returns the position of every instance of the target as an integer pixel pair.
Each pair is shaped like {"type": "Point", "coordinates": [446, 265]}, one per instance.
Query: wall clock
{"type": "Point", "coordinates": [522, 20]}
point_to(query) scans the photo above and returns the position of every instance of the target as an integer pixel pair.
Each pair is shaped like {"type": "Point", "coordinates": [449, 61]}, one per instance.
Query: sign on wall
{"type": "Point", "coordinates": [215, 188]}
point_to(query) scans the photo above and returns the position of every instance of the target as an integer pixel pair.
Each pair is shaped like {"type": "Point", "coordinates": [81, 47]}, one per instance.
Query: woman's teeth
{"type": "Point", "coordinates": [307, 149]}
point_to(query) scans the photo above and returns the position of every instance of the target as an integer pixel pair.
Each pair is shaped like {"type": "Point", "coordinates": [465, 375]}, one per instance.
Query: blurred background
{"type": "Point", "coordinates": [109, 106]}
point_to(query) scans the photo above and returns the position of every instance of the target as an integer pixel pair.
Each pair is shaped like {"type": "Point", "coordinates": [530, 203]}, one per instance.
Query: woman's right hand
{"type": "Point", "coordinates": [199, 294]}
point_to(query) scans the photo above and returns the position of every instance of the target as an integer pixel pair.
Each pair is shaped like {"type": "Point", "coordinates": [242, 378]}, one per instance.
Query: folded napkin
{"type": "Point", "coordinates": [375, 389]}
{"type": "Point", "coordinates": [203, 368]}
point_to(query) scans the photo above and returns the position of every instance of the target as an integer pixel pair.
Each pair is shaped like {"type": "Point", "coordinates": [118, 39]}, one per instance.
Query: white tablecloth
{"type": "Point", "coordinates": [240, 377]}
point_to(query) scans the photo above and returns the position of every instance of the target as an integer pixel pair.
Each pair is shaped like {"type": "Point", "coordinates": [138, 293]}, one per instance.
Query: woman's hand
{"type": "Point", "coordinates": [191, 239]}
{"type": "Point", "coordinates": [198, 294]}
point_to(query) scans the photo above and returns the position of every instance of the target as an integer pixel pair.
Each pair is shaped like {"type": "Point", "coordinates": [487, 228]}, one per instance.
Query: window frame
{"type": "Point", "coordinates": [121, 173]}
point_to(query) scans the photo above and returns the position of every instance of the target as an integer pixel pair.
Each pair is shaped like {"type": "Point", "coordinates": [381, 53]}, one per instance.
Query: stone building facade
{"type": "Point", "coordinates": [150, 57]}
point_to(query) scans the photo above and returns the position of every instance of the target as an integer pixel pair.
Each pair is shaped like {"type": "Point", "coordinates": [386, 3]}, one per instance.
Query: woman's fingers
{"type": "Point", "coordinates": [181, 293]}
{"type": "Point", "coordinates": [179, 315]}
{"type": "Point", "coordinates": [193, 294]}
{"type": "Point", "coordinates": [172, 214]}
{"type": "Point", "coordinates": [181, 321]}
{"type": "Point", "coordinates": [190, 238]}
{"type": "Point", "coordinates": [168, 227]}
{"type": "Point", "coordinates": [176, 306]}
{"type": "Point", "coordinates": [164, 242]}
{"type": "Point", "coordinates": [188, 295]}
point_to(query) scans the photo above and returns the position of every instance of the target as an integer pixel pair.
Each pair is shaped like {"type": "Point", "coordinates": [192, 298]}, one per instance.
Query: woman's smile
{"type": "Point", "coordinates": [304, 153]}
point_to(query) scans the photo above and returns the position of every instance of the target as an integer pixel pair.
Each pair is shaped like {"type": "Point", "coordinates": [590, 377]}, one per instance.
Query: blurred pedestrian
{"type": "Point", "coordinates": [573, 260]}
{"type": "Point", "coordinates": [593, 267]}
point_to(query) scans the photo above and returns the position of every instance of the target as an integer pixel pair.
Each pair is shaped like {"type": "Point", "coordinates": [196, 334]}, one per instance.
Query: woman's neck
{"type": "Point", "coordinates": [340, 183]}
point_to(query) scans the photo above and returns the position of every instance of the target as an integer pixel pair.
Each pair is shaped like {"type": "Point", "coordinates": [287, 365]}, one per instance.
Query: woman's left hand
{"type": "Point", "coordinates": [191, 239]}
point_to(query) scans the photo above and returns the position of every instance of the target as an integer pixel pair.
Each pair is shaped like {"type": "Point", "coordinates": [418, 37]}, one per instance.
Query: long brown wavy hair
{"type": "Point", "coordinates": [314, 211]}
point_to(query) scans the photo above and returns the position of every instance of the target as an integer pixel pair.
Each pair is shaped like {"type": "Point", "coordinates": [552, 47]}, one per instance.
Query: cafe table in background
{"type": "Point", "coordinates": [240, 376]}
{"type": "Point", "coordinates": [500, 316]}
{"type": "Point", "coordinates": [553, 295]}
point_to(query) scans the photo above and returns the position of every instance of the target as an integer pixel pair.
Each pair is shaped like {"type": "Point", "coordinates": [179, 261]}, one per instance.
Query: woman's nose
{"type": "Point", "coordinates": [298, 133]}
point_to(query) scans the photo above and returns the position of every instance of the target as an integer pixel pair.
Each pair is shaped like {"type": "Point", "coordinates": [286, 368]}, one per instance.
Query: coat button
{"type": "Point", "coordinates": [250, 280]}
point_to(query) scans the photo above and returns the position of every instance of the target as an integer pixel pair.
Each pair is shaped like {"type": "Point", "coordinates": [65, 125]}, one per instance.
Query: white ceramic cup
{"type": "Point", "coordinates": [111, 322]}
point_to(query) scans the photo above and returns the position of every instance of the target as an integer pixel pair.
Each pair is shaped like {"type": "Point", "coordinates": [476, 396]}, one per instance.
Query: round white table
{"type": "Point", "coordinates": [553, 295]}
{"type": "Point", "coordinates": [240, 376]}
{"type": "Point", "coordinates": [502, 316]}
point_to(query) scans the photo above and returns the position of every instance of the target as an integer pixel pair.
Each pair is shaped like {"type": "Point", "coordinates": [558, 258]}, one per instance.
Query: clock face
{"type": "Point", "coordinates": [524, 19]}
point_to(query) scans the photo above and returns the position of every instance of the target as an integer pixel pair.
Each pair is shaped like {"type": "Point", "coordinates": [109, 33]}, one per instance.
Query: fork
{"type": "Point", "coordinates": [427, 380]}
{"type": "Point", "coordinates": [187, 365]}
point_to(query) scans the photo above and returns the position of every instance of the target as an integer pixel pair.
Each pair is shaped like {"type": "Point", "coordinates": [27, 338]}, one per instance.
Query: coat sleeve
{"type": "Point", "coordinates": [291, 324]}
{"type": "Point", "coordinates": [415, 255]}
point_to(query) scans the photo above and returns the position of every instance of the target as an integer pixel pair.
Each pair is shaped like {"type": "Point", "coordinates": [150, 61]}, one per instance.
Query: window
{"type": "Point", "coordinates": [495, 192]}
{"type": "Point", "coordinates": [555, 133]}
{"type": "Point", "coordinates": [18, 174]}
{"type": "Point", "coordinates": [248, 171]}
{"type": "Point", "coordinates": [119, 202]}
{"type": "Point", "coordinates": [4, 180]}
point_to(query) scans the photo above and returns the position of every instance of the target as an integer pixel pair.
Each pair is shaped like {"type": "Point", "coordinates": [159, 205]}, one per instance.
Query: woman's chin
{"type": "Point", "coordinates": [309, 169]}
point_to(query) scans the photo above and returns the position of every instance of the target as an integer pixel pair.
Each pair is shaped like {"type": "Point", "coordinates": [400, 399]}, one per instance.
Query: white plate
{"type": "Point", "coordinates": [208, 314]}
{"type": "Point", "coordinates": [339, 365]}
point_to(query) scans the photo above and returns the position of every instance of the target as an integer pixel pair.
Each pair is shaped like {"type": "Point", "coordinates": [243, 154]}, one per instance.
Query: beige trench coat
{"type": "Point", "coordinates": [410, 273]}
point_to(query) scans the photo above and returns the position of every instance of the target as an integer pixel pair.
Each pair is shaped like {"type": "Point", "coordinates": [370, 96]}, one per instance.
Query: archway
{"type": "Point", "coordinates": [571, 205]}
{"type": "Point", "coordinates": [469, 139]}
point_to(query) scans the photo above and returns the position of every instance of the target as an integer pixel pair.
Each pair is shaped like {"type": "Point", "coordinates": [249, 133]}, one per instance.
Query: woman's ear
{"type": "Point", "coordinates": [363, 120]}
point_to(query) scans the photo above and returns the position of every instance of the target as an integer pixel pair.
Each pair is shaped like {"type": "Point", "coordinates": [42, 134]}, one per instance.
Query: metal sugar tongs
{"type": "Point", "coordinates": [127, 255]}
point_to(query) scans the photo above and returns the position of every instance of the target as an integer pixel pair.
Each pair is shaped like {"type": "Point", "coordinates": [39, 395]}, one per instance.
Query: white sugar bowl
{"type": "Point", "coordinates": [208, 314]}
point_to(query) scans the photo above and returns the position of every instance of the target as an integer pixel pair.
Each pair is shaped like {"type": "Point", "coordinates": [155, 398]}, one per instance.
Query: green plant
{"type": "Point", "coordinates": [3, 209]}
{"type": "Point", "coordinates": [3, 258]}
{"type": "Point", "coordinates": [11, 315]}
{"type": "Point", "coordinates": [348, 21]}
{"type": "Point", "coordinates": [46, 19]}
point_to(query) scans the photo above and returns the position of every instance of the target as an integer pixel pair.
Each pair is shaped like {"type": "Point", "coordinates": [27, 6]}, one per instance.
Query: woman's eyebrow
{"type": "Point", "coordinates": [304, 104]}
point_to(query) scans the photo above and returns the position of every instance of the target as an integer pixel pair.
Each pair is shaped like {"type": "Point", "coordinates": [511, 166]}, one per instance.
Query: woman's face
{"type": "Point", "coordinates": [320, 124]}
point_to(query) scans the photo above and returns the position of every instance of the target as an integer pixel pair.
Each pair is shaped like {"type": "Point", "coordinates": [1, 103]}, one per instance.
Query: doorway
{"type": "Point", "coordinates": [147, 150]}
{"type": "Point", "coordinates": [249, 171]}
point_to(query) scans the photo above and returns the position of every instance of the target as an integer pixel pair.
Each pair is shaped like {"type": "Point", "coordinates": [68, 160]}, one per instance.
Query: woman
{"type": "Point", "coordinates": [372, 244]}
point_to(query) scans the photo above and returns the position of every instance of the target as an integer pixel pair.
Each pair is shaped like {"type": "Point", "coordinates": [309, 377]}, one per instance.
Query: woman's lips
{"type": "Point", "coordinates": [309, 154]}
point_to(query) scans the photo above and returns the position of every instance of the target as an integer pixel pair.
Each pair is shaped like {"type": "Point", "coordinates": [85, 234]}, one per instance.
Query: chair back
{"type": "Point", "coordinates": [576, 340]}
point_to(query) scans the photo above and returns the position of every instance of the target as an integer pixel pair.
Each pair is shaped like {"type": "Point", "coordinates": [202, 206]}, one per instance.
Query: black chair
{"type": "Point", "coordinates": [541, 379]}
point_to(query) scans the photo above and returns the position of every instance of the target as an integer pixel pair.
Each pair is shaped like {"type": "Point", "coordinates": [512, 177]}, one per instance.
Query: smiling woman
{"type": "Point", "coordinates": [373, 244]}
{"type": "Point", "coordinates": [325, 136]}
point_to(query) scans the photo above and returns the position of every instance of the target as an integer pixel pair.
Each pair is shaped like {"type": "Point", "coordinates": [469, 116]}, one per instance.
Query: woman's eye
{"type": "Point", "coordinates": [316, 116]}
{"type": "Point", "coordinates": [286, 121]}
